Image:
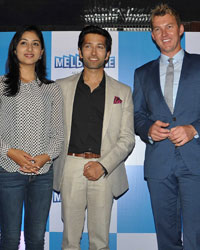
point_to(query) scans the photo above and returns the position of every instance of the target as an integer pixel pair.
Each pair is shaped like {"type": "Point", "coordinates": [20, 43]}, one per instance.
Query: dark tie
{"type": "Point", "coordinates": [169, 81]}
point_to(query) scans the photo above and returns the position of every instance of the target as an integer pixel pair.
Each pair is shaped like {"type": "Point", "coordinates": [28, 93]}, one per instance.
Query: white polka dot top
{"type": "Point", "coordinates": [31, 121]}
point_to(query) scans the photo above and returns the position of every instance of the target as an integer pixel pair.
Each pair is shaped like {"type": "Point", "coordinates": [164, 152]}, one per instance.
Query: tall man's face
{"type": "Point", "coordinates": [167, 34]}
{"type": "Point", "coordinates": [93, 51]}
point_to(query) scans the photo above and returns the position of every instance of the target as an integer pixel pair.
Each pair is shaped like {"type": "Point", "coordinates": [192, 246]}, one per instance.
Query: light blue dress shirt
{"type": "Point", "coordinates": [177, 61]}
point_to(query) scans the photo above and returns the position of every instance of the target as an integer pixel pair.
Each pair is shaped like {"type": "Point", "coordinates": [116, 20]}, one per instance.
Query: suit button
{"type": "Point", "coordinates": [174, 119]}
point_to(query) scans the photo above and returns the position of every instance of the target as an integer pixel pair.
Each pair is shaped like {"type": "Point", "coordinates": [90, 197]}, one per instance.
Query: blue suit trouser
{"type": "Point", "coordinates": [175, 196]}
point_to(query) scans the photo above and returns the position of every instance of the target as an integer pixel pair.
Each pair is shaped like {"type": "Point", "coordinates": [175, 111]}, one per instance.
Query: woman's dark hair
{"type": "Point", "coordinates": [95, 30]}
{"type": "Point", "coordinates": [12, 79]}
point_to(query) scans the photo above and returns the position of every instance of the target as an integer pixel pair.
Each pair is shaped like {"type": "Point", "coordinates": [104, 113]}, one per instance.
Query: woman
{"type": "Point", "coordinates": [31, 136]}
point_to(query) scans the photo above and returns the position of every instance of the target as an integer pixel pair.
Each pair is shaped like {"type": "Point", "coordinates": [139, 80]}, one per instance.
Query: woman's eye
{"type": "Point", "coordinates": [36, 44]}
{"type": "Point", "coordinates": [23, 43]}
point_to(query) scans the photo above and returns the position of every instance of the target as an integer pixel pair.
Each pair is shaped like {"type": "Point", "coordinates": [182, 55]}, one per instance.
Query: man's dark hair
{"type": "Point", "coordinates": [95, 30]}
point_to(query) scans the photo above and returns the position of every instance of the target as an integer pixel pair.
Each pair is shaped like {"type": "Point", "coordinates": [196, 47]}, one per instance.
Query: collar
{"type": "Point", "coordinates": [101, 85]}
{"type": "Point", "coordinates": [177, 58]}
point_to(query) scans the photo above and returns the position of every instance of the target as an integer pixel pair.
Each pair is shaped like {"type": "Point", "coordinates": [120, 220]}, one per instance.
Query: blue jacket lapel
{"type": "Point", "coordinates": [155, 78]}
{"type": "Point", "coordinates": [183, 82]}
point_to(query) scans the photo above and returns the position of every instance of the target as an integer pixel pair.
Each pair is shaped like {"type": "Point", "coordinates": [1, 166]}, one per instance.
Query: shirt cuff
{"type": "Point", "coordinates": [150, 139]}
{"type": "Point", "coordinates": [4, 152]}
{"type": "Point", "coordinates": [104, 169]}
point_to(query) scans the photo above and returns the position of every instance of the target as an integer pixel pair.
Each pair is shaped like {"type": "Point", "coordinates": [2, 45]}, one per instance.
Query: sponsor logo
{"type": "Point", "coordinates": [72, 61]}
{"type": "Point", "coordinates": [56, 197]}
{"type": "Point", "coordinates": [111, 63]}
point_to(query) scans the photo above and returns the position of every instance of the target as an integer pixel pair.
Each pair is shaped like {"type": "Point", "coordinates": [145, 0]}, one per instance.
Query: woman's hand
{"type": "Point", "coordinates": [27, 163]}
{"type": "Point", "coordinates": [40, 160]}
{"type": "Point", "coordinates": [23, 159]}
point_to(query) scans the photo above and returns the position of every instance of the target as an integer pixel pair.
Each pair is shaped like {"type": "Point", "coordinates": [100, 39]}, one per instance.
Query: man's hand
{"type": "Point", "coordinates": [182, 134]}
{"type": "Point", "coordinates": [158, 131]}
{"type": "Point", "coordinates": [23, 159]}
{"type": "Point", "coordinates": [93, 170]}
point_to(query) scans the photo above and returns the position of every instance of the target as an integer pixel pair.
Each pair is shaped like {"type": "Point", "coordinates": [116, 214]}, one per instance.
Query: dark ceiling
{"type": "Point", "coordinates": [66, 14]}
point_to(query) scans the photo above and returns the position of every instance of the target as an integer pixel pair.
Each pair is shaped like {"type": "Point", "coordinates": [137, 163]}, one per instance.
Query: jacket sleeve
{"type": "Point", "coordinates": [141, 114]}
{"type": "Point", "coordinates": [126, 139]}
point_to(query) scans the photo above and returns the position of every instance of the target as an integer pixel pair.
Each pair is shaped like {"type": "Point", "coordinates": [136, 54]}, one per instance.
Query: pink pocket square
{"type": "Point", "coordinates": [117, 100]}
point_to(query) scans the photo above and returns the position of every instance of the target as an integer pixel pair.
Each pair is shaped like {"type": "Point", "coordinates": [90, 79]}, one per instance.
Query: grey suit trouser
{"type": "Point", "coordinates": [79, 194]}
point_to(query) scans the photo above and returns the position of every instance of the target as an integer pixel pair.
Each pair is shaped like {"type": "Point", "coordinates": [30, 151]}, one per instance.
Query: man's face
{"type": "Point", "coordinates": [167, 34]}
{"type": "Point", "coordinates": [93, 51]}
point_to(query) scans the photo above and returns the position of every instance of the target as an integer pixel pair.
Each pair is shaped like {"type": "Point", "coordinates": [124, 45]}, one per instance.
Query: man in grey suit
{"type": "Point", "coordinates": [98, 138]}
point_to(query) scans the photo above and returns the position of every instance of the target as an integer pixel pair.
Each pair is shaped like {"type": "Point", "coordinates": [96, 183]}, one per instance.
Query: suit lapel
{"type": "Point", "coordinates": [183, 82]}
{"type": "Point", "coordinates": [155, 72]}
{"type": "Point", "coordinates": [69, 94]}
{"type": "Point", "coordinates": [109, 98]}
{"type": "Point", "coordinates": [155, 77]}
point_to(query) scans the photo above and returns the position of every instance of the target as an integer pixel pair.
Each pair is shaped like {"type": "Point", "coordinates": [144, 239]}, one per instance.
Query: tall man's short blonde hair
{"type": "Point", "coordinates": [162, 10]}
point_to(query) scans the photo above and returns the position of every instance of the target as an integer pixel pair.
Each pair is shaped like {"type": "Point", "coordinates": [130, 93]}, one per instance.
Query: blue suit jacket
{"type": "Point", "coordinates": [150, 106]}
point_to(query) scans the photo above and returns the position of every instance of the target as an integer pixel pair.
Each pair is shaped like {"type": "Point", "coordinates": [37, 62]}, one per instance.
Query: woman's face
{"type": "Point", "coordinates": [29, 50]}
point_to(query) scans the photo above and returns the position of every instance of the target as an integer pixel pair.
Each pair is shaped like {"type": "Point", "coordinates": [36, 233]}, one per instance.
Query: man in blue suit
{"type": "Point", "coordinates": [171, 134]}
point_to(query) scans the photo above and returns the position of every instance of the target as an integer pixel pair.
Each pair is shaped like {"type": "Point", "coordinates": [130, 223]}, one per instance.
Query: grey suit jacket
{"type": "Point", "coordinates": [117, 135]}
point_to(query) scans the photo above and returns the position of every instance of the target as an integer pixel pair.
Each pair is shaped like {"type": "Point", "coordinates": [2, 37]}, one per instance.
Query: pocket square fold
{"type": "Point", "coordinates": [117, 100]}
